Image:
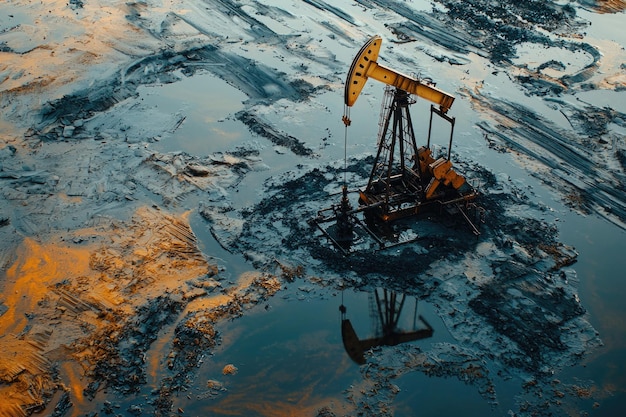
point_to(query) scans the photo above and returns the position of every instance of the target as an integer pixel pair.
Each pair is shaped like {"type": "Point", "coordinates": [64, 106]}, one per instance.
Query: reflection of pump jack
{"type": "Point", "coordinates": [387, 315]}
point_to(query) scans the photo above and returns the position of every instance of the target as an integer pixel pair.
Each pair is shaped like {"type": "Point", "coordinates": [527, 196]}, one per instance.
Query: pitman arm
{"type": "Point", "coordinates": [365, 66]}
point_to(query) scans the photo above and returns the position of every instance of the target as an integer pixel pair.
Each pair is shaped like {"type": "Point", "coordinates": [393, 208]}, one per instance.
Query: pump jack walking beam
{"type": "Point", "coordinates": [365, 66]}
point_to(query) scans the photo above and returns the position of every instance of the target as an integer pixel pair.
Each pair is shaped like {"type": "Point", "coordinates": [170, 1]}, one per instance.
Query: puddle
{"type": "Point", "coordinates": [206, 106]}
{"type": "Point", "coordinates": [602, 292]}
{"type": "Point", "coordinates": [288, 357]}
{"type": "Point", "coordinates": [431, 396]}
{"type": "Point", "coordinates": [234, 264]}
{"type": "Point", "coordinates": [21, 30]}
{"type": "Point", "coordinates": [609, 26]}
{"type": "Point", "coordinates": [289, 353]}
{"type": "Point", "coordinates": [601, 98]}
{"type": "Point", "coordinates": [552, 61]}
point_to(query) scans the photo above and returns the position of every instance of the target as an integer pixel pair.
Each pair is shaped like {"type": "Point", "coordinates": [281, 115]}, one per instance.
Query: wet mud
{"type": "Point", "coordinates": [577, 163]}
{"type": "Point", "coordinates": [109, 305]}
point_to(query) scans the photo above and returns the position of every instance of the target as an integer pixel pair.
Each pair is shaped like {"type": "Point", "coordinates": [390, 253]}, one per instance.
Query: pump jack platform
{"type": "Point", "coordinates": [405, 180]}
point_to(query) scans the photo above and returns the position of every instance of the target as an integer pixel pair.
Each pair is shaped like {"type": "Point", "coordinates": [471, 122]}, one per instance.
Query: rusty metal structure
{"type": "Point", "coordinates": [404, 178]}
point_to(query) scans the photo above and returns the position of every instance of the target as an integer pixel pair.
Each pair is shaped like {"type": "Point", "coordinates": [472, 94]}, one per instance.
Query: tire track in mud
{"type": "Point", "coordinates": [599, 188]}
{"type": "Point", "coordinates": [321, 5]}
{"type": "Point", "coordinates": [277, 137]}
{"type": "Point", "coordinates": [256, 80]}
{"type": "Point", "coordinates": [490, 29]}
{"type": "Point", "coordinates": [426, 27]}
{"type": "Point", "coordinates": [208, 52]}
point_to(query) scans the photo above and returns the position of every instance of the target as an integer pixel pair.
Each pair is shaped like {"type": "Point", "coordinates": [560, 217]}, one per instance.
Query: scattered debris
{"type": "Point", "coordinates": [229, 369]}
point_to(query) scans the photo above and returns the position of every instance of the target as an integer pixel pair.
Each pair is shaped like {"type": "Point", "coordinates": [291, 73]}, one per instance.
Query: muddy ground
{"type": "Point", "coordinates": [106, 293]}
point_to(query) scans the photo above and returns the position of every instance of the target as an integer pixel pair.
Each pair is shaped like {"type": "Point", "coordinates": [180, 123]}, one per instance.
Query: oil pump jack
{"type": "Point", "coordinates": [405, 179]}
